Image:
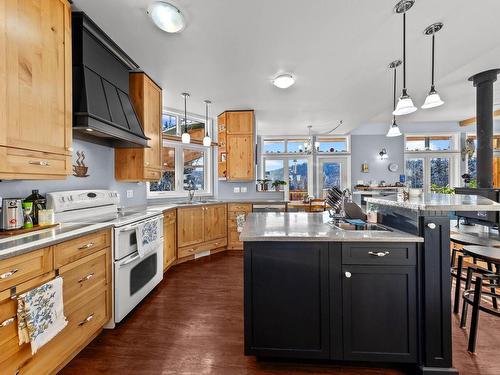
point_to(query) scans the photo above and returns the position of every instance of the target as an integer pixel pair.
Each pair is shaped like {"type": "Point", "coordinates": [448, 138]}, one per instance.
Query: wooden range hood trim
{"type": "Point", "coordinates": [472, 120]}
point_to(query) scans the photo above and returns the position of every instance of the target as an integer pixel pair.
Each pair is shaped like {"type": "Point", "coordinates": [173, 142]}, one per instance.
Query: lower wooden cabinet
{"type": "Point", "coordinates": [235, 210]}
{"type": "Point", "coordinates": [169, 238]}
{"type": "Point", "coordinates": [86, 296]}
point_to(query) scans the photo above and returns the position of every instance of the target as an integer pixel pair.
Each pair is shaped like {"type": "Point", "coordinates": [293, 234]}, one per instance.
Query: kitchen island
{"type": "Point", "coordinates": [317, 291]}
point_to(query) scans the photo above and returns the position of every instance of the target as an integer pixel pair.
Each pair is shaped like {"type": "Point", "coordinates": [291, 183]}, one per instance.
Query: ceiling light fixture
{"type": "Point", "coordinates": [166, 16]}
{"type": "Point", "coordinates": [308, 144]}
{"type": "Point", "coordinates": [405, 104]}
{"type": "Point", "coordinates": [284, 81]}
{"type": "Point", "coordinates": [433, 99]}
{"type": "Point", "coordinates": [394, 129]}
{"type": "Point", "coordinates": [185, 138]}
{"type": "Point", "coordinates": [207, 142]}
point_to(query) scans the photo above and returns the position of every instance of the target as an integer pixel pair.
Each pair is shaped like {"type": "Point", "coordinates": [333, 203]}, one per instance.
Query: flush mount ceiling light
{"type": "Point", "coordinates": [405, 104]}
{"type": "Point", "coordinates": [394, 129]}
{"type": "Point", "coordinates": [284, 81]}
{"type": "Point", "coordinates": [166, 16]}
{"type": "Point", "coordinates": [207, 142]}
{"type": "Point", "coordinates": [185, 138]}
{"type": "Point", "coordinates": [433, 99]}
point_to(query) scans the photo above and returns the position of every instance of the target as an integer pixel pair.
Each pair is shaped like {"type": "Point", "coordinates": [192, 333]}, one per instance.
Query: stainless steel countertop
{"type": "Point", "coordinates": [301, 226]}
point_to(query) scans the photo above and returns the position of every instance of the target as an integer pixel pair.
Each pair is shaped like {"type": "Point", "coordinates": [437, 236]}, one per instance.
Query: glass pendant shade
{"type": "Point", "coordinates": [186, 138]}
{"type": "Point", "coordinates": [405, 106]}
{"type": "Point", "coordinates": [207, 142]}
{"type": "Point", "coordinates": [432, 100]}
{"type": "Point", "coordinates": [394, 130]}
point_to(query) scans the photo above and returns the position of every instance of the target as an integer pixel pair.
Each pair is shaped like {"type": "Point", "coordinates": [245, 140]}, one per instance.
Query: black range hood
{"type": "Point", "coordinates": [102, 111]}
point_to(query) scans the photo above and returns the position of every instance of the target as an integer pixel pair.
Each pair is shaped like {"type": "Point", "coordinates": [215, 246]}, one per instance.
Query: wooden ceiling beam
{"type": "Point", "coordinates": [472, 120]}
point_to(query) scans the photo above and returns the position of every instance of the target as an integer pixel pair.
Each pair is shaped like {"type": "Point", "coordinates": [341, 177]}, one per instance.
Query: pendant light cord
{"type": "Point", "coordinates": [432, 74]}
{"type": "Point", "coordinates": [206, 119]}
{"type": "Point", "coordinates": [394, 96]}
{"type": "Point", "coordinates": [185, 114]}
{"type": "Point", "coordinates": [404, 51]}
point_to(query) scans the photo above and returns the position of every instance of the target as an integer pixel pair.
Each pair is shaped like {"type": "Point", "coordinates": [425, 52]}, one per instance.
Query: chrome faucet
{"type": "Point", "coordinates": [191, 191]}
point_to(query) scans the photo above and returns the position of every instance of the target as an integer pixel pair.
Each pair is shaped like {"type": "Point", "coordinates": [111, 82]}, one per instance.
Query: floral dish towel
{"type": "Point", "coordinates": [148, 236]}
{"type": "Point", "coordinates": [40, 314]}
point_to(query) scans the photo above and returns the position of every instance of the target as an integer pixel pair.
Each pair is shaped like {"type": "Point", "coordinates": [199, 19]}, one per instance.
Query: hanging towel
{"type": "Point", "coordinates": [148, 236]}
{"type": "Point", "coordinates": [40, 314]}
{"type": "Point", "coordinates": [240, 221]}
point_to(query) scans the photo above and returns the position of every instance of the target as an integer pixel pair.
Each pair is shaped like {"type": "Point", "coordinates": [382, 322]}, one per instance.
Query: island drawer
{"type": "Point", "coordinates": [404, 254]}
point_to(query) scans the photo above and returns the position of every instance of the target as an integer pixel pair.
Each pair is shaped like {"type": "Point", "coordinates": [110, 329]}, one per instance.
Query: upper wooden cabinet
{"type": "Point", "coordinates": [143, 164]}
{"type": "Point", "coordinates": [236, 156]}
{"type": "Point", "coordinates": [35, 94]}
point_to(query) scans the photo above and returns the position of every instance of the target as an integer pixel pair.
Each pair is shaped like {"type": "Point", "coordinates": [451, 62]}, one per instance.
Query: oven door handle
{"type": "Point", "coordinates": [131, 260]}
{"type": "Point", "coordinates": [128, 228]}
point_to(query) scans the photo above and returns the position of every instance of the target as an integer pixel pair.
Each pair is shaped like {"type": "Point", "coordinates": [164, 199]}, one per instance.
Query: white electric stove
{"type": "Point", "coordinates": [133, 276]}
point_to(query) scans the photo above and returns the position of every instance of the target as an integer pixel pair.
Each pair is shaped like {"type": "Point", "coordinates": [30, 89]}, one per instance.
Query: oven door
{"type": "Point", "coordinates": [126, 239]}
{"type": "Point", "coordinates": [135, 277]}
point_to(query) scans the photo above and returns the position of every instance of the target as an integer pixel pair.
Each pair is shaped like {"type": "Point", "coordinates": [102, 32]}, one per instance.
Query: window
{"type": "Point", "coordinates": [274, 169]}
{"type": "Point", "coordinates": [431, 143]}
{"type": "Point", "coordinates": [274, 147]}
{"type": "Point", "coordinates": [183, 165]}
{"type": "Point", "coordinates": [472, 160]}
{"type": "Point", "coordinates": [295, 146]}
{"type": "Point", "coordinates": [415, 173]}
{"type": "Point", "coordinates": [431, 171]}
{"type": "Point", "coordinates": [173, 125]}
{"type": "Point", "coordinates": [339, 144]}
{"type": "Point", "coordinates": [297, 175]}
{"type": "Point", "coordinates": [333, 171]}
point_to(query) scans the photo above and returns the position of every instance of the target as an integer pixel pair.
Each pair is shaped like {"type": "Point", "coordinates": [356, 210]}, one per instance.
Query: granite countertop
{"type": "Point", "coordinates": [439, 202]}
{"type": "Point", "coordinates": [302, 226]}
{"type": "Point", "coordinates": [16, 245]}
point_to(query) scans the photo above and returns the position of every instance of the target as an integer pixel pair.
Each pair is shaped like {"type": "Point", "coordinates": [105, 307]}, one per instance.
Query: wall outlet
{"type": "Point", "coordinates": [236, 189]}
{"type": "Point", "coordinates": [243, 189]}
{"type": "Point", "coordinates": [130, 193]}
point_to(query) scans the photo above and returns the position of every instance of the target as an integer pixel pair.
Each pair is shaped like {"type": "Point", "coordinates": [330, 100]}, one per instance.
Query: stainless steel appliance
{"type": "Point", "coordinates": [12, 214]}
{"type": "Point", "coordinates": [133, 276]}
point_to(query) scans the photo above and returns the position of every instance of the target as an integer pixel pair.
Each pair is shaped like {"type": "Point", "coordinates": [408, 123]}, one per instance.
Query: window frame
{"type": "Point", "coordinates": [179, 172]}
{"type": "Point", "coordinates": [190, 116]}
{"type": "Point", "coordinates": [455, 142]}
{"type": "Point", "coordinates": [286, 158]}
{"type": "Point", "coordinates": [333, 157]}
{"type": "Point", "coordinates": [426, 156]}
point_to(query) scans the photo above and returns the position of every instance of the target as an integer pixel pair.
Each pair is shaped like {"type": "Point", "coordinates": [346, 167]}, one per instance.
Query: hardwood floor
{"type": "Point", "coordinates": [192, 323]}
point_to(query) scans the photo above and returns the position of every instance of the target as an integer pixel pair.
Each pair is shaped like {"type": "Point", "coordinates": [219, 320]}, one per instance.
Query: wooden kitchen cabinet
{"type": "Point", "coordinates": [169, 238]}
{"type": "Point", "coordinates": [201, 228]}
{"type": "Point", "coordinates": [234, 210]}
{"type": "Point", "coordinates": [36, 96]}
{"type": "Point", "coordinates": [143, 164]}
{"type": "Point", "coordinates": [236, 131]}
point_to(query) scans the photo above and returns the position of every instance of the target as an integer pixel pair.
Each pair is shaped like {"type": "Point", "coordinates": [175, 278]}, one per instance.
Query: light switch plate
{"type": "Point", "coordinates": [236, 189]}
{"type": "Point", "coordinates": [243, 189]}
{"type": "Point", "coordinates": [130, 193]}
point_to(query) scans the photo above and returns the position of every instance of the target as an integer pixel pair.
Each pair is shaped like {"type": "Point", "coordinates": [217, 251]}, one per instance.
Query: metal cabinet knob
{"type": "Point", "coordinates": [348, 274]}
{"type": "Point", "coordinates": [431, 226]}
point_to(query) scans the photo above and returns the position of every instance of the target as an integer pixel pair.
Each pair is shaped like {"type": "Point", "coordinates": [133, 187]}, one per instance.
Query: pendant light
{"type": "Point", "coordinates": [405, 104]}
{"type": "Point", "coordinates": [433, 100]}
{"type": "Point", "coordinates": [186, 138]}
{"type": "Point", "coordinates": [207, 142]}
{"type": "Point", "coordinates": [394, 129]}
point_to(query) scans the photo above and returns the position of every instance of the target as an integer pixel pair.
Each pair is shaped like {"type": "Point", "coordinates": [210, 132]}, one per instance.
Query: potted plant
{"type": "Point", "coordinates": [265, 184]}
{"type": "Point", "coordinates": [260, 184]}
{"type": "Point", "coordinates": [277, 184]}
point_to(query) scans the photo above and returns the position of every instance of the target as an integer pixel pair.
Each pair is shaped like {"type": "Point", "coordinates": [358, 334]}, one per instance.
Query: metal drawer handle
{"type": "Point", "coordinates": [348, 274]}
{"type": "Point", "coordinates": [87, 246]}
{"type": "Point", "coordinates": [7, 322]}
{"type": "Point", "coordinates": [43, 163]}
{"type": "Point", "coordinates": [8, 274]}
{"type": "Point", "coordinates": [86, 320]}
{"type": "Point", "coordinates": [378, 254]}
{"type": "Point", "coordinates": [86, 278]}
{"type": "Point", "coordinates": [131, 260]}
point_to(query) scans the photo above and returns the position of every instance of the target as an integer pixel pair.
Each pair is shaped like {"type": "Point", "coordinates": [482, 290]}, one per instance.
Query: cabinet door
{"type": "Point", "coordinates": [35, 76]}
{"type": "Point", "coordinates": [152, 124]}
{"type": "Point", "coordinates": [215, 222]}
{"type": "Point", "coordinates": [379, 313]}
{"type": "Point", "coordinates": [239, 122]}
{"type": "Point", "coordinates": [286, 299]}
{"type": "Point", "coordinates": [190, 226]}
{"type": "Point", "coordinates": [240, 157]}
{"type": "Point", "coordinates": [169, 239]}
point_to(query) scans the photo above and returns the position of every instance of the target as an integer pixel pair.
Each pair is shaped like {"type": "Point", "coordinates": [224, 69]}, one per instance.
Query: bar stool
{"type": "Point", "coordinates": [491, 256]}
{"type": "Point", "coordinates": [457, 270]}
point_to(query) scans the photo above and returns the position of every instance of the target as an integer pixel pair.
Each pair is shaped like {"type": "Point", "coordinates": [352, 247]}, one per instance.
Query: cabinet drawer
{"type": "Point", "coordinates": [169, 216]}
{"type": "Point", "coordinates": [241, 207]}
{"type": "Point", "coordinates": [69, 251]}
{"type": "Point", "coordinates": [21, 161]}
{"type": "Point", "coordinates": [379, 253]}
{"type": "Point", "coordinates": [83, 276]}
{"type": "Point", "coordinates": [191, 250]}
{"type": "Point", "coordinates": [24, 267]}
{"type": "Point", "coordinates": [152, 174]}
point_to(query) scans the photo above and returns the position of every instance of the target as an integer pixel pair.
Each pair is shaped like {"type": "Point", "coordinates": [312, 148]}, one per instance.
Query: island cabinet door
{"type": "Point", "coordinates": [379, 313]}
{"type": "Point", "coordinates": [286, 299]}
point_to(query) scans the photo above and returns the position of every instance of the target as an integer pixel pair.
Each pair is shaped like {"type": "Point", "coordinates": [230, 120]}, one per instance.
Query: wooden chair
{"type": "Point", "coordinates": [317, 205]}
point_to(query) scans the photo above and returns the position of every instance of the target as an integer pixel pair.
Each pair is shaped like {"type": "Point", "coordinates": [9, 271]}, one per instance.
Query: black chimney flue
{"type": "Point", "coordinates": [484, 125]}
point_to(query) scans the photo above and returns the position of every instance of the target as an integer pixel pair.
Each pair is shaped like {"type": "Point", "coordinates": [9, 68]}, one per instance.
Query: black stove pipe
{"type": "Point", "coordinates": [484, 125]}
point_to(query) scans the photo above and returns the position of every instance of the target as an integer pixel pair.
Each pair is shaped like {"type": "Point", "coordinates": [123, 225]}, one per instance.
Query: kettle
{"type": "Point", "coordinates": [12, 214]}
